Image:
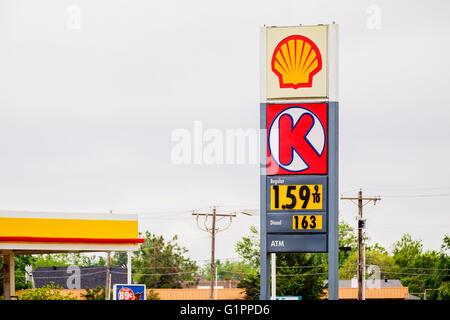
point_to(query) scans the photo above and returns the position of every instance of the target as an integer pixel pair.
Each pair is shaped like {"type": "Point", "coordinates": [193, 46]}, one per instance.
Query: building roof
{"type": "Point", "coordinates": [373, 293]}
{"type": "Point", "coordinates": [375, 289]}
{"type": "Point", "coordinates": [90, 277]}
{"type": "Point", "coordinates": [388, 283]}
{"type": "Point", "coordinates": [200, 294]}
{"type": "Point", "coordinates": [219, 283]}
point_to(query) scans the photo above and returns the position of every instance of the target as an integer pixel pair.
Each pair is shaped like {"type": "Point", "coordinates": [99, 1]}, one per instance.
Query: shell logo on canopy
{"type": "Point", "coordinates": [296, 62]}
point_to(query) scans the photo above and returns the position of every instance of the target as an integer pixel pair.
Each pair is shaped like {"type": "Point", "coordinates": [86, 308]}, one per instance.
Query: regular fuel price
{"type": "Point", "coordinates": [296, 197]}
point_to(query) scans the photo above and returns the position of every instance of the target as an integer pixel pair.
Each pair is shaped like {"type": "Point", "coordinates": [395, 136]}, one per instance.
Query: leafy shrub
{"type": "Point", "coordinates": [152, 295]}
{"type": "Point", "coordinates": [444, 291]}
{"type": "Point", "coordinates": [97, 293]}
{"type": "Point", "coordinates": [49, 292]}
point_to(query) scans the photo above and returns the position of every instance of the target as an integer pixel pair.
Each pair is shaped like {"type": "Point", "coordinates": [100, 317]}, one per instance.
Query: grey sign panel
{"type": "Point", "coordinates": [302, 199]}
{"type": "Point", "coordinates": [286, 223]}
{"type": "Point", "coordinates": [296, 243]}
{"type": "Point", "coordinates": [279, 236]}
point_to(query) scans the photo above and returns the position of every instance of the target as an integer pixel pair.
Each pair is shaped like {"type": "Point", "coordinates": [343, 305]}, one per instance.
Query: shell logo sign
{"type": "Point", "coordinates": [296, 62]}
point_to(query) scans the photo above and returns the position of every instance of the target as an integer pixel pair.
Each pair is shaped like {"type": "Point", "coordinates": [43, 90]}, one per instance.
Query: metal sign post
{"type": "Point", "coordinates": [333, 201]}
{"type": "Point", "coordinates": [274, 276]}
{"type": "Point", "coordinates": [299, 146]}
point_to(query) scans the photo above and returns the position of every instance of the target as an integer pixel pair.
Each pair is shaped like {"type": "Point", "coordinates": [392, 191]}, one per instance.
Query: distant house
{"type": "Point", "coordinates": [374, 289]}
{"type": "Point", "coordinates": [220, 284]}
{"type": "Point", "coordinates": [77, 277]}
{"type": "Point", "coordinates": [200, 294]}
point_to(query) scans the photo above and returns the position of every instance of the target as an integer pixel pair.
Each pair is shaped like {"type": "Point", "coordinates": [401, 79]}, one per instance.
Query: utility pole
{"type": "Point", "coordinates": [154, 257]}
{"type": "Point", "coordinates": [213, 230]}
{"type": "Point", "coordinates": [213, 253]}
{"type": "Point", "coordinates": [361, 227]}
{"type": "Point", "coordinates": [108, 274]}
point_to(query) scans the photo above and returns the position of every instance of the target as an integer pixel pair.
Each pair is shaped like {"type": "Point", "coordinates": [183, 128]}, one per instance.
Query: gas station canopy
{"type": "Point", "coordinates": [24, 232]}
{"type": "Point", "coordinates": [63, 232]}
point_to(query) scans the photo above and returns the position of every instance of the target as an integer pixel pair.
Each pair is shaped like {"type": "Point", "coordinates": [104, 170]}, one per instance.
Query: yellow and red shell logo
{"type": "Point", "coordinates": [295, 61]}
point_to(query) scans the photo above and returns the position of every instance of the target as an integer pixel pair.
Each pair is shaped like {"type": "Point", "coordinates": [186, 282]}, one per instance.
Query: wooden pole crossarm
{"type": "Point", "coordinates": [217, 214]}
{"type": "Point", "coordinates": [356, 198]}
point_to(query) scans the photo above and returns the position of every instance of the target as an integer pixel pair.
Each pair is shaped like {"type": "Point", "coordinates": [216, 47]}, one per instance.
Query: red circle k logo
{"type": "Point", "coordinates": [297, 139]}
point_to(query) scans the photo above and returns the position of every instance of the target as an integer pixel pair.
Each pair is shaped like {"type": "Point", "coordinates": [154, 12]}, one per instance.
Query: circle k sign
{"type": "Point", "coordinates": [297, 139]}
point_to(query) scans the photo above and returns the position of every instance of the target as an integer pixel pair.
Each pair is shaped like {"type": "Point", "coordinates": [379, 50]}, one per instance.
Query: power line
{"type": "Point", "coordinates": [399, 189]}
{"type": "Point", "coordinates": [300, 267]}
{"type": "Point", "coordinates": [397, 267]}
{"type": "Point", "coordinates": [65, 277]}
{"type": "Point", "coordinates": [300, 274]}
{"type": "Point", "coordinates": [430, 195]}
{"type": "Point", "coordinates": [418, 196]}
{"type": "Point", "coordinates": [406, 273]}
{"type": "Point", "coordinates": [417, 274]}
{"type": "Point", "coordinates": [237, 273]}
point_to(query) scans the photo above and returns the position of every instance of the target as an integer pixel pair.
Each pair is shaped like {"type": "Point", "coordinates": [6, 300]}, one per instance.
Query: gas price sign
{"type": "Point", "coordinates": [296, 204]}
{"type": "Point", "coordinates": [129, 292]}
{"type": "Point", "coordinates": [306, 222]}
{"type": "Point", "coordinates": [296, 197]}
{"type": "Point", "coordinates": [296, 193]}
{"type": "Point", "coordinates": [125, 294]}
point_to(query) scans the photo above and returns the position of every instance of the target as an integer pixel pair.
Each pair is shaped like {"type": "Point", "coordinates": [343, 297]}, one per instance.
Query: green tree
{"type": "Point", "coordinates": [347, 236]}
{"type": "Point", "coordinates": [119, 259]}
{"type": "Point", "coordinates": [446, 244]}
{"type": "Point", "coordinates": [374, 256]}
{"type": "Point", "coordinates": [301, 274]}
{"type": "Point", "coordinates": [248, 248]}
{"type": "Point", "coordinates": [419, 270]}
{"type": "Point", "coordinates": [348, 241]}
{"type": "Point", "coordinates": [97, 293]}
{"type": "Point", "coordinates": [251, 285]}
{"type": "Point", "coordinates": [163, 264]}
{"type": "Point", "coordinates": [444, 291]}
{"type": "Point", "coordinates": [20, 262]}
{"type": "Point", "coordinates": [152, 295]}
{"type": "Point", "coordinates": [68, 259]}
{"type": "Point", "coordinates": [406, 250]}
{"type": "Point", "coordinates": [229, 270]}
{"type": "Point", "coordinates": [84, 260]}
{"type": "Point", "coordinates": [50, 260]}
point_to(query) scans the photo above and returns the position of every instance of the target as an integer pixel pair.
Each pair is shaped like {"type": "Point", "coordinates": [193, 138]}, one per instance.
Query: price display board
{"type": "Point", "coordinates": [129, 292]}
{"type": "Point", "coordinates": [296, 197]}
{"type": "Point", "coordinates": [296, 204]}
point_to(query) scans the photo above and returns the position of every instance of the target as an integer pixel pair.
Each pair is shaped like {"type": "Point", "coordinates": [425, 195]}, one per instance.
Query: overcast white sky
{"type": "Point", "coordinates": [87, 113]}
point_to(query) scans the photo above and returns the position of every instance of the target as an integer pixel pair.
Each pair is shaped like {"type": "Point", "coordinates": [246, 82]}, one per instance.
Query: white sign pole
{"type": "Point", "coordinates": [274, 275]}
{"type": "Point", "coordinates": [128, 267]}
